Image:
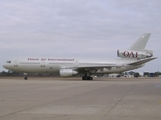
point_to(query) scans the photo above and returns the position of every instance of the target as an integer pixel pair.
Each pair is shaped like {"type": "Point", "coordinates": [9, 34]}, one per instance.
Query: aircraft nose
{"type": "Point", "coordinates": [5, 66]}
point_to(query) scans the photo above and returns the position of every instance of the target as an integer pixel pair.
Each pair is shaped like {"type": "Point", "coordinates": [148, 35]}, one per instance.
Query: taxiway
{"type": "Point", "coordinates": [49, 98]}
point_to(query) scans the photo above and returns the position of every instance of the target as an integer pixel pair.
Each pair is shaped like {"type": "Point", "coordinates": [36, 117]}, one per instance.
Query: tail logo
{"type": "Point", "coordinates": [130, 54]}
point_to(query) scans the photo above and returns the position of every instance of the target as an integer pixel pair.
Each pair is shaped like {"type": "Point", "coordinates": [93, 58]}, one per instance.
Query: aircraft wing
{"type": "Point", "coordinates": [108, 66]}
{"type": "Point", "coordinates": [142, 61]}
{"type": "Point", "coordinates": [83, 69]}
{"type": "Point", "coordinates": [94, 66]}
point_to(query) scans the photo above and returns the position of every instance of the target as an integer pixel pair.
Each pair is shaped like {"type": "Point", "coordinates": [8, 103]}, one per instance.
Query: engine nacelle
{"type": "Point", "coordinates": [134, 54]}
{"type": "Point", "coordinates": [67, 72]}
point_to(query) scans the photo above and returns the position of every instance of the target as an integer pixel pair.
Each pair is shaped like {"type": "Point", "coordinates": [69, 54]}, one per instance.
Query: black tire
{"type": "Point", "coordinates": [84, 78]}
{"type": "Point", "coordinates": [87, 78]}
{"type": "Point", "coordinates": [90, 78]}
{"type": "Point", "coordinates": [25, 78]}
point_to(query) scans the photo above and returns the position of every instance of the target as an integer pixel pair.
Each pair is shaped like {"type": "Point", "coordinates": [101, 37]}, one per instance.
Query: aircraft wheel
{"type": "Point", "coordinates": [87, 78]}
{"type": "Point", "coordinates": [84, 78]}
{"type": "Point", "coordinates": [90, 78]}
{"type": "Point", "coordinates": [25, 78]}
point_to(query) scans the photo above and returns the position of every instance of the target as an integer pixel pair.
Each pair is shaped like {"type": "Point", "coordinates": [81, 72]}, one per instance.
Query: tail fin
{"type": "Point", "coordinates": [140, 44]}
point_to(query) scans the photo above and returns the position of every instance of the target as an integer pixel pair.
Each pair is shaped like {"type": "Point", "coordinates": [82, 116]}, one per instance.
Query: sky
{"type": "Point", "coordinates": [78, 28]}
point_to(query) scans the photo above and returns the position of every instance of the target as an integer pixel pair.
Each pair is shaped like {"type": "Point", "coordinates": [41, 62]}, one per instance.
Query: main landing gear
{"type": "Point", "coordinates": [87, 76]}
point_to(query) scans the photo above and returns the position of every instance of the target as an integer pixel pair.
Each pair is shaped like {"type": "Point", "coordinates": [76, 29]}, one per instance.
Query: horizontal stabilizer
{"type": "Point", "coordinates": [142, 61]}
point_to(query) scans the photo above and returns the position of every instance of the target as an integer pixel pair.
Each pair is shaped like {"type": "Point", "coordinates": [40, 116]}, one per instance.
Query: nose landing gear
{"type": "Point", "coordinates": [25, 78]}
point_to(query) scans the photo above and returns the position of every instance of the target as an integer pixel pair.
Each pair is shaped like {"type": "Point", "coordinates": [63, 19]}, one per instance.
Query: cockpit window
{"type": "Point", "coordinates": [8, 62]}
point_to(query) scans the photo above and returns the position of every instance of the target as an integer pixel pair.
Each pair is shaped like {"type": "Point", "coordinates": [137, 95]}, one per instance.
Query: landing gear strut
{"type": "Point", "coordinates": [25, 78]}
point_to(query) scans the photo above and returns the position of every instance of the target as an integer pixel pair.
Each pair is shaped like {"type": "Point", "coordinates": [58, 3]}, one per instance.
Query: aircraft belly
{"type": "Point", "coordinates": [37, 68]}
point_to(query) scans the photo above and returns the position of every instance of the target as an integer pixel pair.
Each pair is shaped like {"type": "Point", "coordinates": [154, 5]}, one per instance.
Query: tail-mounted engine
{"type": "Point", "coordinates": [135, 54]}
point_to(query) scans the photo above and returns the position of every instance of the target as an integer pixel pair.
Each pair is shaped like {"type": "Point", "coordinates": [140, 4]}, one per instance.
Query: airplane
{"type": "Point", "coordinates": [132, 58]}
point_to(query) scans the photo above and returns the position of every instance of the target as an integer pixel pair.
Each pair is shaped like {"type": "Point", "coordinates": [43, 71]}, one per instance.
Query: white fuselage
{"type": "Point", "coordinates": [53, 65]}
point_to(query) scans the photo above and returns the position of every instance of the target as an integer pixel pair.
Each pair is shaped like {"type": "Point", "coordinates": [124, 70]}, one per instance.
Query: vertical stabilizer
{"type": "Point", "coordinates": [141, 42]}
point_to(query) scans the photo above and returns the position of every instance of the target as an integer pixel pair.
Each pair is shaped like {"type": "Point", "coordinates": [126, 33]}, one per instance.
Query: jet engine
{"type": "Point", "coordinates": [135, 54]}
{"type": "Point", "coordinates": [67, 72]}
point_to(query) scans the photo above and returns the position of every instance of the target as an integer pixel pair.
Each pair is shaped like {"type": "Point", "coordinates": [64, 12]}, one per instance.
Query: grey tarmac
{"type": "Point", "coordinates": [50, 98]}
